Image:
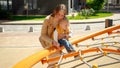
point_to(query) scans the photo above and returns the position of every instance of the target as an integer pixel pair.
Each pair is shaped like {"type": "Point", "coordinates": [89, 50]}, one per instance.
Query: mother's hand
{"type": "Point", "coordinates": [56, 44]}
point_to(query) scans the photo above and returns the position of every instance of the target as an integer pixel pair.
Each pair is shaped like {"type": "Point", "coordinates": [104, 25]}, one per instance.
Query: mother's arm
{"type": "Point", "coordinates": [44, 35]}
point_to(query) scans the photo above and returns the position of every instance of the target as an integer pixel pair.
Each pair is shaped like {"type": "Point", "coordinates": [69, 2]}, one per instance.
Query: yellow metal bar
{"type": "Point", "coordinates": [92, 35]}
{"type": "Point", "coordinates": [35, 58]}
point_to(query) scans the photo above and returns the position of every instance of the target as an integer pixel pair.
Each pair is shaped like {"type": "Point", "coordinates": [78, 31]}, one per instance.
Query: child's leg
{"type": "Point", "coordinates": [71, 47]}
{"type": "Point", "coordinates": [66, 44]}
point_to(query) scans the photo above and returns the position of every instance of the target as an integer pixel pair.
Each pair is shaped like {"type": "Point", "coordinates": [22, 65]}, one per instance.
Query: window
{"type": "Point", "coordinates": [6, 4]}
{"type": "Point", "coordinates": [30, 4]}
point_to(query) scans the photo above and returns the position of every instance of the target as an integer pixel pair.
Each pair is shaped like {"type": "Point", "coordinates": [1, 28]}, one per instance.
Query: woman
{"type": "Point", "coordinates": [49, 26]}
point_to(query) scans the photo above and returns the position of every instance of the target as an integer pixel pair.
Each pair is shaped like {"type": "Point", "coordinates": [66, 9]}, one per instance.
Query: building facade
{"type": "Point", "coordinates": [44, 7]}
{"type": "Point", "coordinates": [35, 6]}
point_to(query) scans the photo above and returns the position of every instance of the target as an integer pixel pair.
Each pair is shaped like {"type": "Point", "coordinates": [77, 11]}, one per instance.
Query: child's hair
{"type": "Point", "coordinates": [64, 24]}
{"type": "Point", "coordinates": [64, 21]}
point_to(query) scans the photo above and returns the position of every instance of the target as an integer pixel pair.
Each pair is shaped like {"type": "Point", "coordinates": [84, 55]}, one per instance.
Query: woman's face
{"type": "Point", "coordinates": [60, 15]}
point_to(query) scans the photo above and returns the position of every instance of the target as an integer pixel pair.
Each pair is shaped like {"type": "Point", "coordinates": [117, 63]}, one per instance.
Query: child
{"type": "Point", "coordinates": [62, 35]}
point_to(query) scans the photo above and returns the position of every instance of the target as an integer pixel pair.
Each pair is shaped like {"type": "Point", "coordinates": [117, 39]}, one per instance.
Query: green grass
{"type": "Point", "coordinates": [28, 17]}
{"type": "Point", "coordinates": [78, 17]}
{"type": "Point", "coordinates": [97, 15]}
{"type": "Point", "coordinates": [100, 15]}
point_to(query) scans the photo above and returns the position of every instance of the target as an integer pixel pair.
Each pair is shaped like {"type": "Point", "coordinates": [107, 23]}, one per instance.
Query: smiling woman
{"type": "Point", "coordinates": [49, 25]}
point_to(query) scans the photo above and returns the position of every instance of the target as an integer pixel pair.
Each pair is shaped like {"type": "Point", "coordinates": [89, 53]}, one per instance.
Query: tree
{"type": "Point", "coordinates": [4, 14]}
{"type": "Point", "coordinates": [0, 7]}
{"type": "Point", "coordinates": [96, 4]}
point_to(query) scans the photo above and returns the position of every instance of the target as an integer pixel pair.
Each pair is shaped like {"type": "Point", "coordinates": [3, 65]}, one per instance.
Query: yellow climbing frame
{"type": "Point", "coordinates": [30, 61]}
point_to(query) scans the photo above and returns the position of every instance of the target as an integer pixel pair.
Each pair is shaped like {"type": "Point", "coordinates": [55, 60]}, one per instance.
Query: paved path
{"type": "Point", "coordinates": [15, 46]}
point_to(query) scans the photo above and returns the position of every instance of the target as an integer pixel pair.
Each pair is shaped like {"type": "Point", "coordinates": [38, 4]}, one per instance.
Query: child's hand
{"type": "Point", "coordinates": [61, 36]}
{"type": "Point", "coordinates": [67, 36]}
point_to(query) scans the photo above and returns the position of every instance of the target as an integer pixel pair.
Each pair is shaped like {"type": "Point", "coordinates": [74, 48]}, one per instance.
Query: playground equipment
{"type": "Point", "coordinates": [41, 55]}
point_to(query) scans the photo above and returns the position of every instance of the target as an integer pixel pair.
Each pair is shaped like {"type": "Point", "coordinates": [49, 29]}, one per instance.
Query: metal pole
{"type": "Point", "coordinates": [8, 5]}
{"type": "Point", "coordinates": [107, 5]}
{"type": "Point", "coordinates": [27, 9]}
{"type": "Point", "coordinates": [69, 4]}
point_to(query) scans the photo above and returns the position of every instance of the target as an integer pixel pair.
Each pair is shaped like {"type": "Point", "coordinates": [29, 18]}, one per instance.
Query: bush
{"type": "Point", "coordinates": [4, 15]}
{"type": "Point", "coordinates": [0, 7]}
{"type": "Point", "coordinates": [96, 4]}
{"type": "Point", "coordinates": [87, 12]}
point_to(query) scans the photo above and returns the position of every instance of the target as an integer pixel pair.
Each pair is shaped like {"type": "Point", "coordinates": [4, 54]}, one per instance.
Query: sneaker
{"type": "Point", "coordinates": [71, 51]}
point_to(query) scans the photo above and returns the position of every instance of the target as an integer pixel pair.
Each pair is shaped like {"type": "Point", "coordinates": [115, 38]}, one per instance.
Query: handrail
{"type": "Point", "coordinates": [35, 58]}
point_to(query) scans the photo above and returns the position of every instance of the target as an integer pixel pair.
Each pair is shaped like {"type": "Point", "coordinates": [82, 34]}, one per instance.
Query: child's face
{"type": "Point", "coordinates": [64, 24]}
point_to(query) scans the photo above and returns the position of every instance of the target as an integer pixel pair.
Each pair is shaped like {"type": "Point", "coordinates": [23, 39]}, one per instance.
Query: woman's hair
{"type": "Point", "coordinates": [59, 8]}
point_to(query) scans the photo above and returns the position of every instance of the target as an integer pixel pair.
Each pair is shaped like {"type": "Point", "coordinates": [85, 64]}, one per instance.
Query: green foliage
{"type": "Point", "coordinates": [77, 17]}
{"type": "Point", "coordinates": [4, 14]}
{"type": "Point", "coordinates": [0, 7]}
{"type": "Point", "coordinates": [94, 16]}
{"type": "Point", "coordinates": [87, 12]}
{"type": "Point", "coordinates": [96, 4]}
